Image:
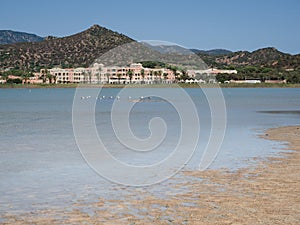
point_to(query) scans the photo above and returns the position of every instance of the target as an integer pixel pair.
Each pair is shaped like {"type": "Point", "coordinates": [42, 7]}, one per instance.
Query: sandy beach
{"type": "Point", "coordinates": [267, 193]}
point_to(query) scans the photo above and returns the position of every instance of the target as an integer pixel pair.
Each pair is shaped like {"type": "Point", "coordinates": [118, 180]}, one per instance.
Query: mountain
{"type": "Point", "coordinates": [171, 55]}
{"type": "Point", "coordinates": [80, 49]}
{"type": "Point", "coordinates": [265, 57]}
{"type": "Point", "coordinates": [209, 56]}
{"type": "Point", "coordinates": [166, 48]}
{"type": "Point", "coordinates": [214, 52]}
{"type": "Point", "coordinates": [10, 37]}
{"type": "Point", "coordinates": [84, 48]}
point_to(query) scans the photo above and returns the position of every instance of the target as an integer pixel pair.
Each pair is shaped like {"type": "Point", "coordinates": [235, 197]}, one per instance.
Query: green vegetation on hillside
{"type": "Point", "coordinates": [153, 64]}
{"type": "Point", "coordinates": [262, 74]}
{"type": "Point", "coordinates": [73, 51]}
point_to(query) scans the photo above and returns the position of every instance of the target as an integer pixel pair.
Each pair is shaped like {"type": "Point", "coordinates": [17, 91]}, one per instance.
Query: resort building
{"type": "Point", "coordinates": [247, 81]}
{"type": "Point", "coordinates": [211, 71]}
{"type": "Point", "coordinates": [98, 74]}
{"type": "Point", "coordinates": [135, 73]}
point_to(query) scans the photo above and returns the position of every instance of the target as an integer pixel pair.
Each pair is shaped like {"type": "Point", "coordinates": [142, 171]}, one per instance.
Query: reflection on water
{"type": "Point", "coordinates": [41, 166]}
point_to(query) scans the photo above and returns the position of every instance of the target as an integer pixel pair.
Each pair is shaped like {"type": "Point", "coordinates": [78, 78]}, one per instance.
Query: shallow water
{"type": "Point", "coordinates": [41, 165]}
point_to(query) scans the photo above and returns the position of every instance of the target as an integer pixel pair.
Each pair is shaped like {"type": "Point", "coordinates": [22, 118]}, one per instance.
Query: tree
{"type": "Point", "coordinates": [177, 77]}
{"type": "Point", "coordinates": [49, 76]}
{"type": "Point", "coordinates": [266, 70]}
{"type": "Point", "coordinates": [222, 77]}
{"type": "Point", "coordinates": [44, 75]}
{"type": "Point", "coordinates": [184, 75]}
{"type": "Point", "coordinates": [14, 81]}
{"type": "Point", "coordinates": [84, 77]}
{"type": "Point", "coordinates": [153, 64]}
{"type": "Point", "coordinates": [151, 74]}
{"type": "Point", "coordinates": [99, 75]}
{"type": "Point", "coordinates": [54, 77]}
{"type": "Point", "coordinates": [89, 76]}
{"type": "Point", "coordinates": [165, 76]}
{"type": "Point", "coordinates": [293, 78]}
{"type": "Point", "coordinates": [26, 76]}
{"type": "Point", "coordinates": [107, 76]}
{"type": "Point", "coordinates": [159, 75]}
{"type": "Point", "coordinates": [130, 74]}
{"type": "Point", "coordinates": [5, 76]}
{"type": "Point", "coordinates": [119, 78]}
{"type": "Point", "coordinates": [143, 75]}
{"type": "Point", "coordinates": [155, 75]}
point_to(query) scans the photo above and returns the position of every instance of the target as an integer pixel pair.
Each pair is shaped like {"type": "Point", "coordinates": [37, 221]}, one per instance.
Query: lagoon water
{"type": "Point", "coordinates": [41, 165]}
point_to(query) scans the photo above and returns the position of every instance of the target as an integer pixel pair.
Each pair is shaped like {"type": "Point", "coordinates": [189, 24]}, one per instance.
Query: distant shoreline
{"type": "Point", "coordinates": [261, 85]}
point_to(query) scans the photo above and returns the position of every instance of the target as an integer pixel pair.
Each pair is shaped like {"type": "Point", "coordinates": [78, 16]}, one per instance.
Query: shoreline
{"type": "Point", "coordinates": [34, 86]}
{"type": "Point", "coordinates": [266, 193]}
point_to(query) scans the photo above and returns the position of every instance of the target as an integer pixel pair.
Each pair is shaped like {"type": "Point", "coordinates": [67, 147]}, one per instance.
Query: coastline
{"type": "Point", "coordinates": [267, 193]}
{"type": "Point", "coordinates": [33, 86]}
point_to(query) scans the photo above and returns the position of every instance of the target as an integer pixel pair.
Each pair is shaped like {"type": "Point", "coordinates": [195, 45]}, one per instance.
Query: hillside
{"type": "Point", "coordinates": [265, 57]}
{"type": "Point", "coordinates": [213, 52]}
{"type": "Point", "coordinates": [76, 50]}
{"type": "Point", "coordinates": [83, 48]}
{"type": "Point", "coordinates": [11, 37]}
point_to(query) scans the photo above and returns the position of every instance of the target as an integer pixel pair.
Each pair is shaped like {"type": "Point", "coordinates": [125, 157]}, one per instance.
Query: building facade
{"type": "Point", "coordinates": [99, 74]}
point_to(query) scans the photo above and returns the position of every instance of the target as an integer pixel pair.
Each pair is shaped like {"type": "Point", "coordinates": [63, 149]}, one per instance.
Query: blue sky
{"type": "Point", "coordinates": [229, 24]}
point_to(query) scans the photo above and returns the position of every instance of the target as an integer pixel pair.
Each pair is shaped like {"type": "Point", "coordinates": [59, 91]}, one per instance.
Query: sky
{"type": "Point", "coordinates": [202, 24]}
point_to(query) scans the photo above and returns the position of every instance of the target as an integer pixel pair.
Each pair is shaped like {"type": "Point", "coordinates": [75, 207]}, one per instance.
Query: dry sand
{"type": "Point", "coordinates": [266, 194]}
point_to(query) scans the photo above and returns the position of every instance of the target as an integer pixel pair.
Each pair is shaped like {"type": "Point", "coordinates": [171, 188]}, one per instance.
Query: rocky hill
{"type": "Point", "coordinates": [265, 57]}
{"type": "Point", "coordinates": [11, 37]}
{"type": "Point", "coordinates": [76, 50]}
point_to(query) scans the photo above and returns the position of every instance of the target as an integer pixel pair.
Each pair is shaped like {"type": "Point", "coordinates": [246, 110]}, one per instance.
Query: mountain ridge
{"type": "Point", "coordinates": [217, 51]}
{"type": "Point", "coordinates": [10, 37]}
{"type": "Point", "coordinates": [264, 57]}
{"type": "Point", "coordinates": [18, 38]}
{"type": "Point", "coordinates": [81, 49]}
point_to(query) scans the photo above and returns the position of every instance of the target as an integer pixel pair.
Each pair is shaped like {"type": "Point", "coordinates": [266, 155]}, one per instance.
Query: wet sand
{"type": "Point", "coordinates": [268, 193]}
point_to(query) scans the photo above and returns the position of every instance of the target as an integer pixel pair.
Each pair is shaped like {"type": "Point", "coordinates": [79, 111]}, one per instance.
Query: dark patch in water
{"type": "Point", "coordinates": [294, 112]}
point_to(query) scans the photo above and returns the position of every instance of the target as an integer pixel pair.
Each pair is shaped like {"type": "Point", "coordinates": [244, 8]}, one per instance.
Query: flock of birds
{"type": "Point", "coordinates": [100, 98]}
{"type": "Point", "coordinates": [129, 98]}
